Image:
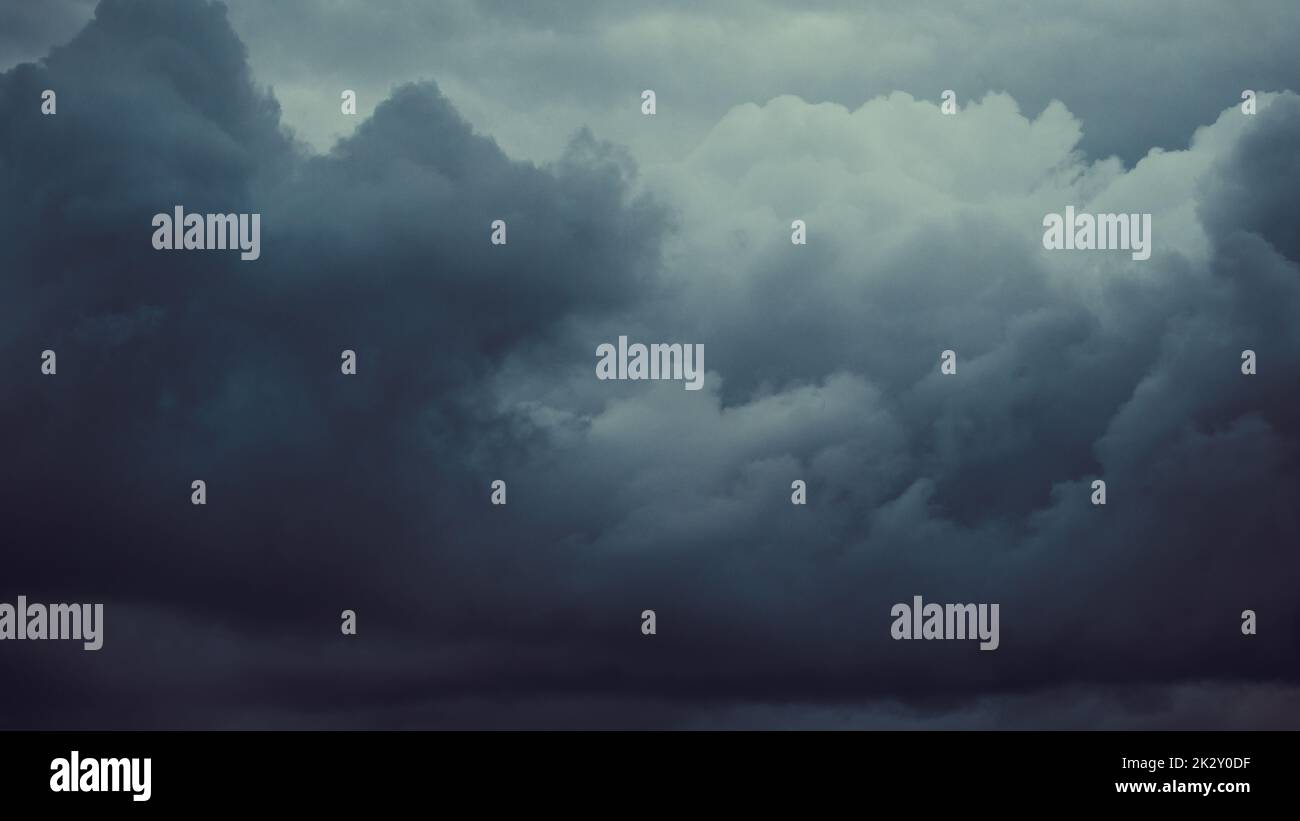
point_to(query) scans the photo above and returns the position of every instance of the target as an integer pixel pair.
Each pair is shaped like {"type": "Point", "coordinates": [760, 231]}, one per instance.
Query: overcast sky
{"type": "Point", "coordinates": [477, 362]}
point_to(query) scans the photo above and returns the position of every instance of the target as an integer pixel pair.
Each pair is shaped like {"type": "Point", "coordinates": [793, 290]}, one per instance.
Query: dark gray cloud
{"type": "Point", "coordinates": [370, 492]}
{"type": "Point", "coordinates": [532, 72]}
{"type": "Point", "coordinates": [182, 366]}
{"type": "Point", "coordinates": [27, 30]}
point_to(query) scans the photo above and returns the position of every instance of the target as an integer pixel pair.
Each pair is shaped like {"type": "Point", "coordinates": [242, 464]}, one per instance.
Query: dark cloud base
{"type": "Point", "coordinates": [370, 492]}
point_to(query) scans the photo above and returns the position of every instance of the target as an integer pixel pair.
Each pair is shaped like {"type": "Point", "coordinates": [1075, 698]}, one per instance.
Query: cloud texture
{"type": "Point", "coordinates": [476, 362]}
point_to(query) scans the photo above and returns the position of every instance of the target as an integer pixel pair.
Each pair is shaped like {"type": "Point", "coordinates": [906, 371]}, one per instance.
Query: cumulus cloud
{"type": "Point", "coordinates": [177, 366]}
{"type": "Point", "coordinates": [925, 235]}
{"type": "Point", "coordinates": [476, 363]}
{"type": "Point", "coordinates": [1139, 77]}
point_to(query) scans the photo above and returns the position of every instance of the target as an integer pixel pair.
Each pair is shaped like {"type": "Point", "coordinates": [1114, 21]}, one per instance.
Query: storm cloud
{"type": "Point", "coordinates": [475, 363]}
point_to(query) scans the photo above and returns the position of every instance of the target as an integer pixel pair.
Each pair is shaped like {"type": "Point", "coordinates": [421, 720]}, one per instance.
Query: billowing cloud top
{"type": "Point", "coordinates": [475, 363]}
